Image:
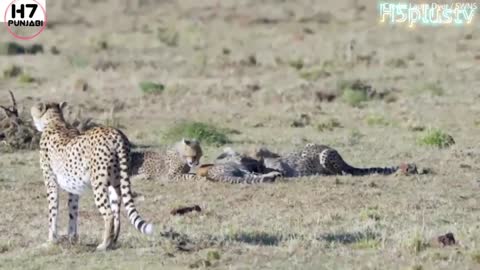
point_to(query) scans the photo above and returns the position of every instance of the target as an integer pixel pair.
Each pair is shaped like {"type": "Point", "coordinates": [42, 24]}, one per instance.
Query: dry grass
{"type": "Point", "coordinates": [255, 67]}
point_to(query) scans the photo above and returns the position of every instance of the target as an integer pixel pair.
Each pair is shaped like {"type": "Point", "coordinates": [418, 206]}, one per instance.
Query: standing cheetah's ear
{"type": "Point", "coordinates": [62, 105]}
{"type": "Point", "coordinates": [186, 142]}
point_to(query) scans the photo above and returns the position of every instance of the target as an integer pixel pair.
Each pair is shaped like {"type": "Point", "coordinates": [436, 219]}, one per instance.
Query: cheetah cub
{"type": "Point", "coordinates": [98, 158]}
{"type": "Point", "coordinates": [174, 163]}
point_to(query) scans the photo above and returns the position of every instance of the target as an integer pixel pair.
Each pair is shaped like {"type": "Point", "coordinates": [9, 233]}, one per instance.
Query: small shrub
{"type": "Point", "coordinates": [314, 74]}
{"type": "Point", "coordinates": [297, 64]}
{"type": "Point", "coordinates": [416, 127]}
{"type": "Point", "coordinates": [205, 133]}
{"type": "Point", "coordinates": [25, 78]}
{"type": "Point", "coordinates": [200, 264]}
{"type": "Point", "coordinates": [436, 138]}
{"type": "Point", "coordinates": [148, 87]}
{"type": "Point", "coordinates": [13, 48]}
{"type": "Point", "coordinates": [354, 98]}
{"type": "Point", "coordinates": [16, 71]}
{"type": "Point", "coordinates": [213, 255]}
{"type": "Point", "coordinates": [101, 45]}
{"type": "Point", "coordinates": [397, 63]}
{"type": "Point", "coordinates": [329, 125]}
{"type": "Point", "coordinates": [4, 248]}
{"type": "Point", "coordinates": [168, 36]}
{"type": "Point", "coordinates": [357, 92]}
{"type": "Point", "coordinates": [12, 71]}
{"type": "Point", "coordinates": [34, 49]}
{"type": "Point", "coordinates": [81, 85]}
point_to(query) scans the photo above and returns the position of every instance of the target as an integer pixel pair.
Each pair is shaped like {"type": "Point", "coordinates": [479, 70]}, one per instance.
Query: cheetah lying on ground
{"type": "Point", "coordinates": [235, 168]}
{"type": "Point", "coordinates": [174, 163]}
{"type": "Point", "coordinates": [315, 159]}
{"type": "Point", "coordinates": [74, 161]}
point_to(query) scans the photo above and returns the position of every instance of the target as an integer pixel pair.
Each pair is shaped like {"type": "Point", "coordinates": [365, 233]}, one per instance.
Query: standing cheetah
{"type": "Point", "coordinates": [174, 163]}
{"type": "Point", "coordinates": [315, 159]}
{"type": "Point", "coordinates": [74, 161]}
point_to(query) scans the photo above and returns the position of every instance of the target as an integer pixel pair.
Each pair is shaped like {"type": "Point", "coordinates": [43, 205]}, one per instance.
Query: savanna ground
{"type": "Point", "coordinates": [256, 67]}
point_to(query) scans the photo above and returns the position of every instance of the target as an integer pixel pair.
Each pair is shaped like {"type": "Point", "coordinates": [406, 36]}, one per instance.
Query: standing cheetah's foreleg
{"type": "Point", "coordinates": [52, 196]}
{"type": "Point", "coordinates": [73, 217]}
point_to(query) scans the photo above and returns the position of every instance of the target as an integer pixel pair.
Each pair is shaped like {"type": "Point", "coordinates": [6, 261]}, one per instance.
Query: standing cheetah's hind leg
{"type": "Point", "coordinates": [102, 202]}
{"type": "Point", "coordinates": [73, 217]}
{"type": "Point", "coordinates": [114, 198]}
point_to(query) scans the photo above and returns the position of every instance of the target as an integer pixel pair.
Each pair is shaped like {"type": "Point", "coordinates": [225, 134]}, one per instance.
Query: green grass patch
{"type": "Point", "coordinates": [417, 244]}
{"type": "Point", "coordinates": [25, 78]}
{"type": "Point", "coordinates": [313, 74]}
{"type": "Point", "coordinates": [366, 244]}
{"type": "Point", "coordinates": [354, 93]}
{"type": "Point", "coordinates": [434, 89]}
{"type": "Point", "coordinates": [148, 87]}
{"type": "Point", "coordinates": [475, 256]}
{"type": "Point", "coordinates": [79, 62]}
{"type": "Point", "coordinates": [436, 138]}
{"type": "Point", "coordinates": [14, 71]}
{"type": "Point", "coordinates": [203, 132]}
{"type": "Point", "coordinates": [377, 120]}
{"type": "Point", "coordinates": [370, 213]}
{"type": "Point", "coordinates": [354, 98]}
{"type": "Point", "coordinates": [359, 240]}
{"type": "Point", "coordinates": [213, 255]}
{"type": "Point", "coordinates": [355, 137]}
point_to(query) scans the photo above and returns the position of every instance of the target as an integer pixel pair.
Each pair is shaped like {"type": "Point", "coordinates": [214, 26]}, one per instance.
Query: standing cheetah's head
{"type": "Point", "coordinates": [45, 113]}
{"type": "Point", "coordinates": [190, 151]}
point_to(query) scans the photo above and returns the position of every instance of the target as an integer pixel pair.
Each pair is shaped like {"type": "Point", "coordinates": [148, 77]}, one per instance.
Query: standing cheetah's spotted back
{"type": "Point", "coordinates": [98, 158]}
